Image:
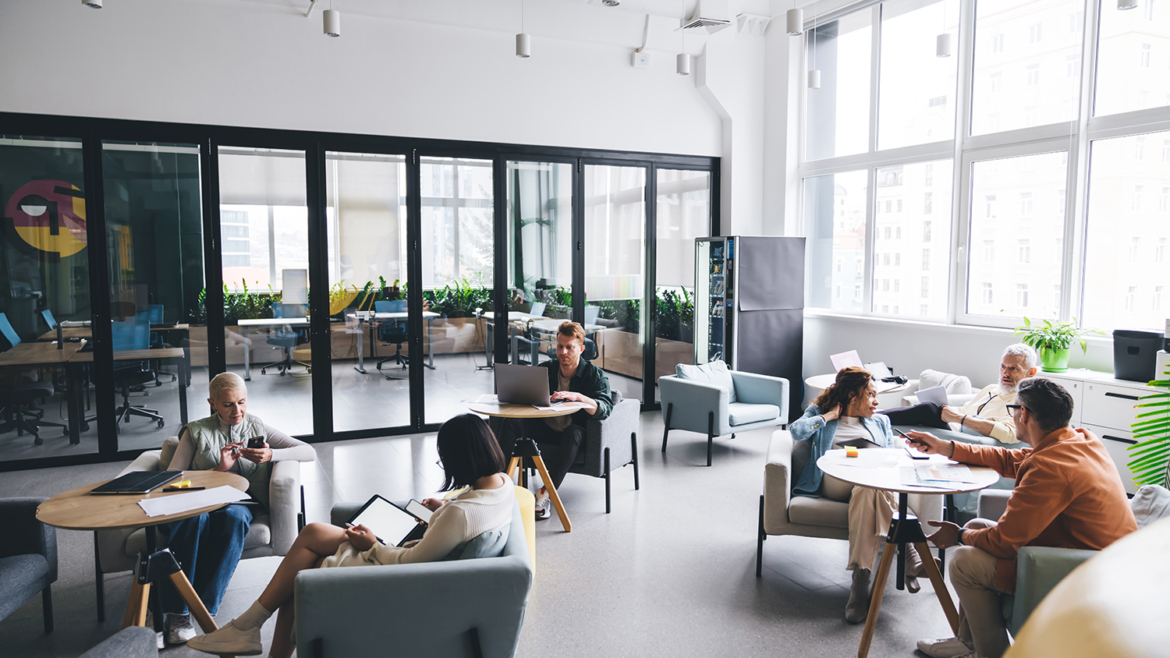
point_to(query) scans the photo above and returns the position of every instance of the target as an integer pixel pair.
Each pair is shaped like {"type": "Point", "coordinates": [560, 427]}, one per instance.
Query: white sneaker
{"type": "Point", "coordinates": [543, 505]}
{"type": "Point", "coordinates": [229, 641]}
{"type": "Point", "coordinates": [179, 628]}
{"type": "Point", "coordinates": [951, 647]}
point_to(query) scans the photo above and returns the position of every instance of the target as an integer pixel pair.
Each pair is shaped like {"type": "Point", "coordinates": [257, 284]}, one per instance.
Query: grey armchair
{"type": "Point", "coordinates": [270, 534]}
{"type": "Point", "coordinates": [131, 642]}
{"type": "Point", "coordinates": [28, 557]}
{"type": "Point", "coordinates": [606, 448]}
{"type": "Point", "coordinates": [469, 607]}
{"type": "Point", "coordinates": [755, 401]}
{"type": "Point", "coordinates": [781, 513]}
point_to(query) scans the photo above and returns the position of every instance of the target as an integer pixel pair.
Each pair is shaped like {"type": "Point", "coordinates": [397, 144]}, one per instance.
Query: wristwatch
{"type": "Point", "coordinates": [960, 539]}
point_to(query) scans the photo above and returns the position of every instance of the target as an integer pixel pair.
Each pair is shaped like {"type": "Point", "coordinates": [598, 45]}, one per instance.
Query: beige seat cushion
{"type": "Point", "coordinates": [818, 511]}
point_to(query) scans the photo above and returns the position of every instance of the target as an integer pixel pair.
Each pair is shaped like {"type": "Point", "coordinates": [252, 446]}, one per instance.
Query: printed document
{"type": "Point", "coordinates": [185, 502]}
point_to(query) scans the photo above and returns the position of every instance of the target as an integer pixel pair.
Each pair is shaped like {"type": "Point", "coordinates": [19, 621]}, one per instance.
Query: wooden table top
{"type": "Point", "coordinates": [133, 355]}
{"type": "Point", "coordinates": [880, 468]}
{"type": "Point", "coordinates": [273, 322]}
{"type": "Point", "coordinates": [524, 410]}
{"type": "Point", "coordinates": [77, 510]}
{"type": "Point", "coordinates": [86, 332]}
{"type": "Point", "coordinates": [38, 354]}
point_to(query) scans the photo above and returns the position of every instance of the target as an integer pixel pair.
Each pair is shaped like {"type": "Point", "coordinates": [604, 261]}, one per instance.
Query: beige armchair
{"type": "Point", "coordinates": [781, 513]}
{"type": "Point", "coordinates": [271, 533]}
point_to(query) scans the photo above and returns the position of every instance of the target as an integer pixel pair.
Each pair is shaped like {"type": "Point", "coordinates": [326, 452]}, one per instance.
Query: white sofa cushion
{"type": "Point", "coordinates": [951, 383]}
{"type": "Point", "coordinates": [741, 413]}
{"type": "Point", "coordinates": [714, 373]}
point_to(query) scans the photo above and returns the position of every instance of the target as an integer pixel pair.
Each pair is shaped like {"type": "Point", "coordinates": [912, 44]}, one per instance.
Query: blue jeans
{"type": "Point", "coordinates": [208, 548]}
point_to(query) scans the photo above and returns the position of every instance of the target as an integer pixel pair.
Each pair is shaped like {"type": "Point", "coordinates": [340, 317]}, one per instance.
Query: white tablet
{"type": "Point", "coordinates": [391, 524]}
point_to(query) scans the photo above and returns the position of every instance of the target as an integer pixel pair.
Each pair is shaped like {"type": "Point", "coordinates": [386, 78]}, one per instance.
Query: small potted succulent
{"type": "Point", "coordinates": [1054, 341]}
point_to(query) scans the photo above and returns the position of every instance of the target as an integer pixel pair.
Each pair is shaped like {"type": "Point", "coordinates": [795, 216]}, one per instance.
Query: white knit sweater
{"type": "Point", "coordinates": [459, 520]}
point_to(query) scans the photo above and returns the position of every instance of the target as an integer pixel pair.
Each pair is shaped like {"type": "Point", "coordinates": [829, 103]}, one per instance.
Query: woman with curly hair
{"type": "Point", "coordinates": [843, 415]}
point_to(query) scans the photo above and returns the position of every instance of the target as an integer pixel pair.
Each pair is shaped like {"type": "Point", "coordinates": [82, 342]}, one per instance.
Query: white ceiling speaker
{"type": "Point", "coordinates": [95, 4]}
{"type": "Point", "coordinates": [942, 45]}
{"type": "Point", "coordinates": [1127, 4]}
{"type": "Point", "coordinates": [683, 67]}
{"type": "Point", "coordinates": [795, 22]}
{"type": "Point", "coordinates": [332, 22]}
{"type": "Point", "coordinates": [524, 45]}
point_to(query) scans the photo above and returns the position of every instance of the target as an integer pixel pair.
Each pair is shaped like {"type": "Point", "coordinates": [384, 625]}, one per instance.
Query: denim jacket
{"type": "Point", "coordinates": [811, 427]}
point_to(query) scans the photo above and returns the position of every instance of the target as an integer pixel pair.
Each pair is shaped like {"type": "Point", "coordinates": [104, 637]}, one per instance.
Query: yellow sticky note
{"type": "Point", "coordinates": [850, 452]}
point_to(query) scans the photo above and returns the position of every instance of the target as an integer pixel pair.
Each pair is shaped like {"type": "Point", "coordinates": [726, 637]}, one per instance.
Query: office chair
{"type": "Point", "coordinates": [133, 334]}
{"type": "Point", "coordinates": [19, 403]}
{"type": "Point", "coordinates": [286, 338]}
{"type": "Point", "coordinates": [392, 332]}
{"type": "Point", "coordinates": [156, 342]}
{"type": "Point", "coordinates": [49, 319]}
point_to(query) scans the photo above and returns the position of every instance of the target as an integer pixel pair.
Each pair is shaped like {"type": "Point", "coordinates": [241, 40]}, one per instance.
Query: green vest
{"type": "Point", "coordinates": [209, 440]}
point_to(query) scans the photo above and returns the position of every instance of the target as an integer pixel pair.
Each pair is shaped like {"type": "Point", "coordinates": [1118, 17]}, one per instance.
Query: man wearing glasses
{"type": "Point", "coordinates": [985, 414]}
{"type": "Point", "coordinates": [1068, 494]}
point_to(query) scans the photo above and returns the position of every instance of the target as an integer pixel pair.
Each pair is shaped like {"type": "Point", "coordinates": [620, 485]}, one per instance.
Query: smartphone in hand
{"type": "Point", "coordinates": [256, 443]}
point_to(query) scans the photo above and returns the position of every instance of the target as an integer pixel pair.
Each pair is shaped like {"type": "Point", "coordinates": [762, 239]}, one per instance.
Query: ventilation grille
{"type": "Point", "coordinates": [708, 24]}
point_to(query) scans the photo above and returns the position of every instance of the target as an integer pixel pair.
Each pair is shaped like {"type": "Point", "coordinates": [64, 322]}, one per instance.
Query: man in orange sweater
{"type": "Point", "coordinates": [1068, 494]}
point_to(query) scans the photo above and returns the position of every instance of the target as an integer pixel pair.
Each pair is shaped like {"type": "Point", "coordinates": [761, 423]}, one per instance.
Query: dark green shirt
{"type": "Point", "coordinates": [590, 381]}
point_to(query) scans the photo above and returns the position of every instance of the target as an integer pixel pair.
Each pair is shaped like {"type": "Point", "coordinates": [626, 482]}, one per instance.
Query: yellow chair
{"type": "Point", "coordinates": [528, 512]}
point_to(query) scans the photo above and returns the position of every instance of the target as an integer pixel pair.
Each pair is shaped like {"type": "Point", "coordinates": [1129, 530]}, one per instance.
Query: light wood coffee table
{"type": "Point", "coordinates": [77, 510]}
{"type": "Point", "coordinates": [525, 448]}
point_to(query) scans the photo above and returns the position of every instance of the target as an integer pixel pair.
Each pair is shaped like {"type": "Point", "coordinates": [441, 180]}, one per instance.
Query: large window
{"type": "Point", "coordinates": [1025, 175]}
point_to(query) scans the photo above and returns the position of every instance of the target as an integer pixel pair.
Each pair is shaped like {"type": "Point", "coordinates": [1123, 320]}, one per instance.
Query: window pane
{"type": "Point", "coordinates": [457, 280]}
{"type": "Point", "coordinates": [1126, 266]}
{"type": "Point", "coordinates": [1133, 58]}
{"type": "Point", "coordinates": [917, 89]}
{"type": "Point", "coordinates": [684, 213]}
{"type": "Point", "coordinates": [154, 228]}
{"type": "Point", "coordinates": [1017, 227]}
{"type": "Point", "coordinates": [366, 213]}
{"type": "Point", "coordinates": [540, 238]}
{"type": "Point", "coordinates": [835, 216]}
{"type": "Point", "coordinates": [44, 278]}
{"type": "Point", "coordinates": [916, 255]}
{"type": "Point", "coordinates": [838, 112]}
{"type": "Point", "coordinates": [1022, 53]}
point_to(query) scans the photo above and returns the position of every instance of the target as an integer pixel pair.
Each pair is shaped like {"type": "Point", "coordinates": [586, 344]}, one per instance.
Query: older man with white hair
{"type": "Point", "coordinates": [208, 546]}
{"type": "Point", "coordinates": [985, 414]}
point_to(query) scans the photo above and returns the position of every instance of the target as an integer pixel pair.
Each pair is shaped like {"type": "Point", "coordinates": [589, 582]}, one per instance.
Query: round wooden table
{"type": "Point", "coordinates": [882, 468]}
{"type": "Point", "coordinates": [77, 510]}
{"type": "Point", "coordinates": [526, 449]}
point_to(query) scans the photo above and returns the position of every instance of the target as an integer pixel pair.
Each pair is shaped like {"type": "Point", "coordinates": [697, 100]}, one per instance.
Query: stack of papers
{"type": "Point", "coordinates": [938, 475]}
{"type": "Point", "coordinates": [185, 502]}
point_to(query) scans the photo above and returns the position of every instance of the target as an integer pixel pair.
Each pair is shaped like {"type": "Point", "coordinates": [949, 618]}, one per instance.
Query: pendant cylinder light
{"type": "Point", "coordinates": [523, 45]}
{"type": "Point", "coordinates": [814, 79]}
{"type": "Point", "coordinates": [684, 64]}
{"type": "Point", "coordinates": [795, 21]}
{"type": "Point", "coordinates": [1127, 4]}
{"type": "Point", "coordinates": [942, 45]}
{"type": "Point", "coordinates": [332, 22]}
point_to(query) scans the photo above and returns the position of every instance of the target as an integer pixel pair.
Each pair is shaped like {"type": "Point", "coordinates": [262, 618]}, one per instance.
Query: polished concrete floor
{"type": "Point", "coordinates": [671, 572]}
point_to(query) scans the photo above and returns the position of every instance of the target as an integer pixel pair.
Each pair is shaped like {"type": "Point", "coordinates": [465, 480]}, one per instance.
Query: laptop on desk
{"type": "Point", "coordinates": [522, 385]}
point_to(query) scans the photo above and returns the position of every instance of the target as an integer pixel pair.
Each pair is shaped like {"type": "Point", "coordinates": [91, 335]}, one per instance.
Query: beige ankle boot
{"type": "Point", "coordinates": [857, 609]}
{"type": "Point", "coordinates": [915, 569]}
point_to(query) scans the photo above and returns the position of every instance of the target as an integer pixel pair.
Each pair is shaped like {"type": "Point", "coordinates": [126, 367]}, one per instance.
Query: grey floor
{"type": "Point", "coordinates": [671, 572]}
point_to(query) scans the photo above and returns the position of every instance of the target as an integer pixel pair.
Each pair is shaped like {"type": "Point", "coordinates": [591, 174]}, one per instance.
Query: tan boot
{"type": "Point", "coordinates": [857, 609]}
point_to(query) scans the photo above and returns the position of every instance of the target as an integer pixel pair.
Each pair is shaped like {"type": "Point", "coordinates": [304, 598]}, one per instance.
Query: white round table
{"type": "Point", "coordinates": [882, 468]}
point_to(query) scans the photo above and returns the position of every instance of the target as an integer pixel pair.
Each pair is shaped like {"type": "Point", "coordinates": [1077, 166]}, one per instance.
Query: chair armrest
{"type": "Point", "coordinates": [147, 461]}
{"type": "Point", "coordinates": [24, 534]}
{"type": "Point", "coordinates": [993, 503]}
{"type": "Point", "coordinates": [342, 512]}
{"type": "Point", "coordinates": [284, 503]}
{"type": "Point", "coordinates": [1038, 570]}
{"type": "Point", "coordinates": [761, 389]}
{"type": "Point", "coordinates": [613, 433]}
{"type": "Point", "coordinates": [132, 642]}
{"type": "Point", "coordinates": [777, 482]}
{"type": "Point", "coordinates": [692, 402]}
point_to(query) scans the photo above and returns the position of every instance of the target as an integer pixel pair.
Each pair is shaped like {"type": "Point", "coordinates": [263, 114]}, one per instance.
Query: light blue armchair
{"type": "Point", "coordinates": [466, 607]}
{"type": "Point", "coordinates": [713, 400]}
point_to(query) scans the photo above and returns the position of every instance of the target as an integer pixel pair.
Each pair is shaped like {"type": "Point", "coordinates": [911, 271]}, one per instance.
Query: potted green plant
{"type": "Point", "coordinates": [1149, 459]}
{"type": "Point", "coordinates": [1054, 341]}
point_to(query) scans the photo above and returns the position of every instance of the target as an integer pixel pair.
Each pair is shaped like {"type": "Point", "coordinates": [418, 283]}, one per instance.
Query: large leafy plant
{"type": "Point", "coordinates": [1149, 459]}
{"type": "Point", "coordinates": [1054, 336]}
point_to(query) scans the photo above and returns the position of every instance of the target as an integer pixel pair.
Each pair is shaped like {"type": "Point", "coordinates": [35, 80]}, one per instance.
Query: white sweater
{"type": "Point", "coordinates": [459, 520]}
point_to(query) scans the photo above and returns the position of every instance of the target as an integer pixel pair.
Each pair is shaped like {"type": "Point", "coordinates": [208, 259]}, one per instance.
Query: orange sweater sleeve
{"type": "Point", "coordinates": [1042, 494]}
{"type": "Point", "coordinates": [1006, 462]}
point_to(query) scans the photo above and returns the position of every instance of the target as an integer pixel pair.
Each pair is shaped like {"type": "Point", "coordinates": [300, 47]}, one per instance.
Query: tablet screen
{"type": "Point", "coordinates": [389, 524]}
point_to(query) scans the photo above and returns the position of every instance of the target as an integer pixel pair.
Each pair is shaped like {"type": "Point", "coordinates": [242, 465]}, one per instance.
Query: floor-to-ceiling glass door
{"type": "Point", "coordinates": [264, 245]}
{"type": "Point", "coordinates": [613, 200]}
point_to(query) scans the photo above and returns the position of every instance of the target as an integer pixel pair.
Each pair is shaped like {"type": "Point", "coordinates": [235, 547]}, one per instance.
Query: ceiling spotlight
{"type": "Point", "coordinates": [1127, 4]}
{"type": "Point", "coordinates": [814, 79]}
{"type": "Point", "coordinates": [611, 3]}
{"type": "Point", "coordinates": [332, 22]}
{"type": "Point", "coordinates": [795, 21]}
{"type": "Point", "coordinates": [942, 45]}
{"type": "Point", "coordinates": [683, 64]}
{"type": "Point", "coordinates": [95, 4]}
{"type": "Point", "coordinates": [523, 45]}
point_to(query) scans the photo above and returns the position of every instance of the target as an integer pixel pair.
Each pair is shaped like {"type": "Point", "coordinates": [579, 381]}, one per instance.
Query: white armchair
{"type": "Point", "coordinates": [271, 533]}
{"type": "Point", "coordinates": [781, 513]}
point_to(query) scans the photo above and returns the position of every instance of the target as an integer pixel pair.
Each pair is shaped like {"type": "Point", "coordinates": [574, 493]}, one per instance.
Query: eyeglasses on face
{"type": "Point", "coordinates": [1013, 408]}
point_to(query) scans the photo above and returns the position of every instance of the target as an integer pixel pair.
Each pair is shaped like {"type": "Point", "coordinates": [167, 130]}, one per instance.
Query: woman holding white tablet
{"type": "Point", "coordinates": [470, 457]}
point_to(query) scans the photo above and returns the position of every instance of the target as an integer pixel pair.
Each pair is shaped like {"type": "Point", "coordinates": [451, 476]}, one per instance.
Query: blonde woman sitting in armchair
{"type": "Point", "coordinates": [844, 415]}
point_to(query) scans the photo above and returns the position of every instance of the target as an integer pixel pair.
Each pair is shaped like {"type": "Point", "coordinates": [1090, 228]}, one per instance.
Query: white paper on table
{"type": "Point", "coordinates": [845, 359]}
{"type": "Point", "coordinates": [937, 474]}
{"type": "Point", "coordinates": [185, 502]}
{"type": "Point", "coordinates": [865, 458]}
{"type": "Point", "coordinates": [936, 394]}
{"type": "Point", "coordinates": [561, 405]}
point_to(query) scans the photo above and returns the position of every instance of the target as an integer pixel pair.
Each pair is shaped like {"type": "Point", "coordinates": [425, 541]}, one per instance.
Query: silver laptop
{"type": "Point", "coordinates": [522, 385]}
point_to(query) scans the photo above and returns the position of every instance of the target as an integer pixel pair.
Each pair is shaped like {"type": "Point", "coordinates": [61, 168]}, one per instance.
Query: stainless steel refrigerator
{"type": "Point", "coordinates": [749, 306]}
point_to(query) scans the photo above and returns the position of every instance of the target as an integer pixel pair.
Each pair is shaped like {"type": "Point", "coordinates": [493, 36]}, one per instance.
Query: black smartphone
{"type": "Point", "coordinates": [256, 443]}
{"type": "Point", "coordinates": [912, 451]}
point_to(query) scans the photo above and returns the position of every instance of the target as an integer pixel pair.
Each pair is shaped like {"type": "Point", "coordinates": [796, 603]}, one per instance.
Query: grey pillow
{"type": "Point", "coordinates": [1150, 504]}
{"type": "Point", "coordinates": [487, 544]}
{"type": "Point", "coordinates": [714, 373]}
{"type": "Point", "coordinates": [168, 452]}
